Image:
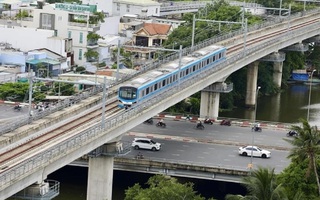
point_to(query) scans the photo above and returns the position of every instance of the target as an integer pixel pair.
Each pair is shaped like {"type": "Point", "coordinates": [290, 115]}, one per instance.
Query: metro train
{"type": "Point", "coordinates": [153, 81]}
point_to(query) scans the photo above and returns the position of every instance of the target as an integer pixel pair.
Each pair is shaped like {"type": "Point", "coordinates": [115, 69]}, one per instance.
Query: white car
{"type": "Point", "coordinates": [146, 143]}
{"type": "Point", "coordinates": [255, 151]}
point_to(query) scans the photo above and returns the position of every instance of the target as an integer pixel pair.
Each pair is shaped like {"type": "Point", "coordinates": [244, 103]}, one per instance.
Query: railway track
{"type": "Point", "coordinates": [40, 143]}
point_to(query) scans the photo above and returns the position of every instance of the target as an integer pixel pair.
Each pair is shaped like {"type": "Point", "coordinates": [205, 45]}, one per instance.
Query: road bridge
{"type": "Point", "coordinates": [87, 136]}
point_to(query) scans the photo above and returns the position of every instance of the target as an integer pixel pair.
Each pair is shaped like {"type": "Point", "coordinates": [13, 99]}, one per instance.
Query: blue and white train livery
{"type": "Point", "coordinates": [150, 83]}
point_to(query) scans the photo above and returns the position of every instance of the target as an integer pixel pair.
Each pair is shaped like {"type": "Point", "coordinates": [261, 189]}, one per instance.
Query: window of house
{"type": "Point", "coordinates": [47, 21]}
{"type": "Point", "coordinates": [118, 6]}
{"type": "Point", "coordinates": [128, 8]}
{"type": "Point", "coordinates": [81, 38]}
{"type": "Point", "coordinates": [80, 54]}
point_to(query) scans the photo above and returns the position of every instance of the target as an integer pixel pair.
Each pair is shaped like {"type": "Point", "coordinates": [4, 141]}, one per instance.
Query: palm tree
{"type": "Point", "coordinates": [261, 185]}
{"type": "Point", "coordinates": [306, 147]}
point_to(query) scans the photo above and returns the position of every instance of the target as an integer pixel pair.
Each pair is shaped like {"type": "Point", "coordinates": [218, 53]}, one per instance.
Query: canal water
{"type": "Point", "coordinates": [286, 107]}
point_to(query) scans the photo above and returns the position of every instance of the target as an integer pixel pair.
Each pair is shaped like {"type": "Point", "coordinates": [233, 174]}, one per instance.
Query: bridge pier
{"type": "Point", "coordinates": [210, 97]}
{"type": "Point", "coordinates": [209, 106]}
{"type": "Point", "coordinates": [277, 73]}
{"type": "Point", "coordinates": [100, 174]}
{"type": "Point", "coordinates": [252, 77]}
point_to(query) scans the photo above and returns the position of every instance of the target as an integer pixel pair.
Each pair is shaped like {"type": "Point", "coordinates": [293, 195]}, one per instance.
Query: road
{"type": "Point", "coordinates": [215, 146]}
{"type": "Point", "coordinates": [7, 113]}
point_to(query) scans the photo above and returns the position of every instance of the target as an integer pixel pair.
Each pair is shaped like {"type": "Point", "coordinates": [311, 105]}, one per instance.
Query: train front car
{"type": "Point", "coordinates": [127, 96]}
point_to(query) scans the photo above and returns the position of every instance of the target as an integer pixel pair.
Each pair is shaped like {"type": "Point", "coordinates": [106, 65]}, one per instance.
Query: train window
{"type": "Point", "coordinates": [194, 68]}
{"type": "Point", "coordinates": [187, 71]}
{"type": "Point", "coordinates": [147, 91]}
{"type": "Point", "coordinates": [174, 78]}
{"type": "Point", "coordinates": [143, 93]}
{"type": "Point", "coordinates": [155, 87]}
{"type": "Point", "coordinates": [164, 82]}
{"type": "Point", "coordinates": [213, 58]}
{"type": "Point", "coordinates": [208, 61]}
{"type": "Point", "coordinates": [128, 93]}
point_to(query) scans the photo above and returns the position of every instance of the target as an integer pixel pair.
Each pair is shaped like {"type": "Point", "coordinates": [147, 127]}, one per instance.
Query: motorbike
{"type": "Point", "coordinates": [17, 108]}
{"type": "Point", "coordinates": [148, 121]}
{"type": "Point", "coordinates": [161, 124]}
{"type": "Point", "coordinates": [225, 122]}
{"type": "Point", "coordinates": [208, 121]}
{"type": "Point", "coordinates": [199, 126]}
{"type": "Point", "coordinates": [139, 156]}
{"type": "Point", "coordinates": [256, 129]}
{"type": "Point", "coordinates": [292, 134]}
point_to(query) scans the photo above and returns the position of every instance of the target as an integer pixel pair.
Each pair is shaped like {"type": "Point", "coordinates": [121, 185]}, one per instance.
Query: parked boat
{"type": "Point", "coordinates": [299, 76]}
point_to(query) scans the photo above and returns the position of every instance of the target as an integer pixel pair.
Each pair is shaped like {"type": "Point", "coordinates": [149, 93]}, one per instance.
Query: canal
{"type": "Point", "coordinates": [287, 107]}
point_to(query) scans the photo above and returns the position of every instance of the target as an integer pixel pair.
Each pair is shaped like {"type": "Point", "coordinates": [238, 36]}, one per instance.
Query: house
{"type": "Point", "coordinates": [142, 8]}
{"type": "Point", "coordinates": [68, 20]}
{"type": "Point", "coordinates": [150, 35]}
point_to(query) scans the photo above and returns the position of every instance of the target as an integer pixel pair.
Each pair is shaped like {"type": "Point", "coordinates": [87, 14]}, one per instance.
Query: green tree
{"type": "Point", "coordinates": [125, 58]}
{"type": "Point", "coordinates": [13, 90]}
{"type": "Point", "coordinates": [19, 92]}
{"type": "Point", "coordinates": [66, 89]}
{"type": "Point", "coordinates": [22, 14]}
{"type": "Point", "coordinates": [306, 147]}
{"type": "Point", "coordinates": [294, 176]}
{"type": "Point", "coordinates": [261, 185]}
{"type": "Point", "coordinates": [162, 188]}
{"type": "Point", "coordinates": [91, 55]}
{"type": "Point", "coordinates": [80, 69]}
{"type": "Point", "coordinates": [96, 18]}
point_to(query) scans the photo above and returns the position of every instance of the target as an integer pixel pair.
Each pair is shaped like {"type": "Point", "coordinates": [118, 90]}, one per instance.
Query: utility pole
{"type": "Point", "coordinates": [30, 93]}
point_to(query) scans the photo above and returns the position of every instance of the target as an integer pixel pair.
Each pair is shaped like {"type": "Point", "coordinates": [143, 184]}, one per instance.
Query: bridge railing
{"type": "Point", "coordinates": [87, 135]}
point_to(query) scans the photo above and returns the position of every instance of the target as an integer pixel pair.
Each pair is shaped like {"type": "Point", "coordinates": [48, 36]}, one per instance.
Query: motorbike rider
{"type": "Point", "coordinates": [161, 122]}
{"type": "Point", "coordinates": [199, 124]}
{"type": "Point", "coordinates": [256, 126]}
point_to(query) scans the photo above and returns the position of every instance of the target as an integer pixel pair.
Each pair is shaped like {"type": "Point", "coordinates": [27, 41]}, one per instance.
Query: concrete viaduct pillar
{"type": "Point", "coordinates": [100, 174]}
{"type": "Point", "coordinates": [209, 107]}
{"type": "Point", "coordinates": [210, 97]}
{"type": "Point", "coordinates": [277, 73]}
{"type": "Point", "coordinates": [252, 77]}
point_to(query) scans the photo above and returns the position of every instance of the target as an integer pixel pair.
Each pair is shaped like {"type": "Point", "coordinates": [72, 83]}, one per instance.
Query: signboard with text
{"type": "Point", "coordinates": [76, 7]}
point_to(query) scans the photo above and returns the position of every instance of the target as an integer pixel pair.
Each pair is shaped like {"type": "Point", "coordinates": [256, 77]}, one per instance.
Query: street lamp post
{"type": "Point", "coordinates": [310, 94]}
{"type": "Point", "coordinates": [254, 121]}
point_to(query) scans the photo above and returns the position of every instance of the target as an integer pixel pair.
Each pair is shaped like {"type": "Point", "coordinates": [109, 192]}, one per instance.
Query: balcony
{"type": "Point", "coordinates": [80, 25]}
{"type": "Point", "coordinates": [92, 44]}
